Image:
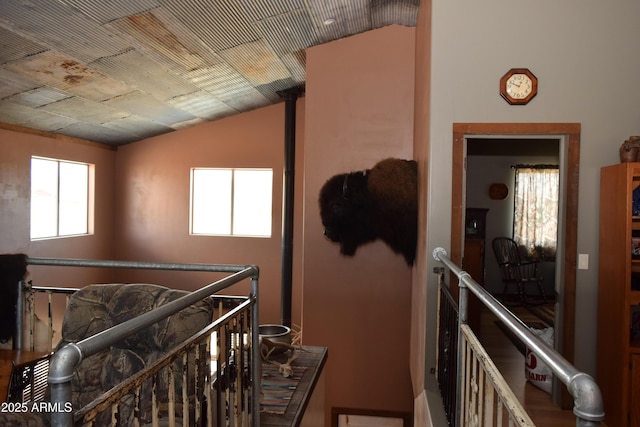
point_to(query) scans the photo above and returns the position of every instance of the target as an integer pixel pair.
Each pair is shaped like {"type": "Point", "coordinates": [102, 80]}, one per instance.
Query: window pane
{"type": "Point", "coordinates": [211, 201]}
{"type": "Point", "coordinates": [74, 194]}
{"type": "Point", "coordinates": [44, 198]}
{"type": "Point", "coordinates": [252, 202]}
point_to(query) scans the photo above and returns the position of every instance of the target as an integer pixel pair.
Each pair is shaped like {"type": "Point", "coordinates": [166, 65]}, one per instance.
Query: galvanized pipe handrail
{"type": "Point", "coordinates": [54, 289]}
{"type": "Point", "coordinates": [136, 265]}
{"type": "Point", "coordinates": [117, 390]}
{"type": "Point", "coordinates": [588, 405]}
{"type": "Point", "coordinates": [65, 361]}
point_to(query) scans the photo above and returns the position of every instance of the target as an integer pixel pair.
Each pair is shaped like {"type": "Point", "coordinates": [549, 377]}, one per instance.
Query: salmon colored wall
{"type": "Point", "coordinates": [359, 110]}
{"type": "Point", "coordinates": [359, 307]}
{"type": "Point", "coordinates": [424, 384]}
{"type": "Point", "coordinates": [152, 187]}
{"type": "Point", "coordinates": [16, 149]}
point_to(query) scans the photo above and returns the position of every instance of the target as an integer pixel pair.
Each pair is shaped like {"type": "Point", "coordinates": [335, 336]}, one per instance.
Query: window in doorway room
{"type": "Point", "coordinates": [60, 198]}
{"type": "Point", "coordinates": [535, 219]}
{"type": "Point", "coordinates": [231, 202]}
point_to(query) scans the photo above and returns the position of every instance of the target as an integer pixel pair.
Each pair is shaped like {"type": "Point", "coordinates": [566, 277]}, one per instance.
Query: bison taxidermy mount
{"type": "Point", "coordinates": [377, 203]}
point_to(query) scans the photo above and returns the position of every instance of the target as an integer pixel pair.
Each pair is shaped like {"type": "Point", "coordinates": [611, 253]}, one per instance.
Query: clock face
{"type": "Point", "coordinates": [519, 86]}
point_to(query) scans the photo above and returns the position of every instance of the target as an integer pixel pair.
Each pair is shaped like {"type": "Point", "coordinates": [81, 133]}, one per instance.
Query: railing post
{"type": "Point", "coordinates": [256, 362]}
{"type": "Point", "coordinates": [463, 304]}
{"type": "Point", "coordinates": [462, 319]}
{"type": "Point", "coordinates": [588, 406]}
{"type": "Point", "coordinates": [19, 326]}
{"type": "Point", "coordinates": [63, 363]}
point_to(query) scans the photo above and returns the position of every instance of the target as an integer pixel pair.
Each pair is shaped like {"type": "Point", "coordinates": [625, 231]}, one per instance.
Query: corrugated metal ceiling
{"type": "Point", "coordinates": [122, 70]}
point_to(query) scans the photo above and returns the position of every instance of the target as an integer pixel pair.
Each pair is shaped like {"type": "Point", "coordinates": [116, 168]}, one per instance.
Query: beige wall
{"type": "Point", "coordinates": [359, 110]}
{"type": "Point", "coordinates": [152, 185]}
{"type": "Point", "coordinates": [580, 52]}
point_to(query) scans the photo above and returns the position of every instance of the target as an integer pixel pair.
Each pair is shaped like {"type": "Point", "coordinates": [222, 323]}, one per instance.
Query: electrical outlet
{"type": "Point", "coordinates": [583, 261]}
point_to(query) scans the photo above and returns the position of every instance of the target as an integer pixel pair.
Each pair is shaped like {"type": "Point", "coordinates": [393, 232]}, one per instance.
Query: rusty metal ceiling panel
{"type": "Point", "coordinates": [137, 127]}
{"type": "Point", "coordinates": [288, 32]}
{"type": "Point", "coordinates": [335, 19]}
{"type": "Point", "coordinates": [96, 133]}
{"type": "Point", "coordinates": [218, 80]}
{"type": "Point", "coordinates": [385, 12]}
{"type": "Point", "coordinates": [188, 123]}
{"type": "Point", "coordinates": [257, 10]}
{"type": "Point", "coordinates": [202, 104]}
{"type": "Point", "coordinates": [223, 82]}
{"type": "Point", "coordinates": [20, 115]}
{"type": "Point", "coordinates": [49, 68]}
{"type": "Point", "coordinates": [84, 110]}
{"type": "Point", "coordinates": [220, 25]}
{"type": "Point", "coordinates": [247, 100]}
{"type": "Point", "coordinates": [165, 40]}
{"type": "Point", "coordinates": [138, 68]}
{"type": "Point", "coordinates": [14, 46]}
{"type": "Point", "coordinates": [257, 62]}
{"type": "Point", "coordinates": [40, 96]}
{"type": "Point", "coordinates": [57, 25]}
{"type": "Point", "coordinates": [140, 72]}
{"type": "Point", "coordinates": [148, 107]}
{"type": "Point", "coordinates": [296, 64]}
{"type": "Point", "coordinates": [107, 11]}
{"type": "Point", "coordinates": [12, 83]}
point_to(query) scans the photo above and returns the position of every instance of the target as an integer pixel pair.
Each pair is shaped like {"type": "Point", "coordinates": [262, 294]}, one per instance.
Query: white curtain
{"type": "Point", "coordinates": [535, 224]}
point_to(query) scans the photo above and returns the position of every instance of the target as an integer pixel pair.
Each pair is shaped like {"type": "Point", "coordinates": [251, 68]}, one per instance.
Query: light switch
{"type": "Point", "coordinates": [583, 261]}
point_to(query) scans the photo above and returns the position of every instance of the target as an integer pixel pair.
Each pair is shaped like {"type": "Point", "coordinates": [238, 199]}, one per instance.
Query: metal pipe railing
{"type": "Point", "coordinates": [448, 333]}
{"type": "Point", "coordinates": [137, 265]}
{"type": "Point", "coordinates": [588, 405]}
{"type": "Point", "coordinates": [65, 361]}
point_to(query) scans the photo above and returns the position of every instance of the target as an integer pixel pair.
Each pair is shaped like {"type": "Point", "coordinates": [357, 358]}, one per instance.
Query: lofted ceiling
{"type": "Point", "coordinates": [118, 71]}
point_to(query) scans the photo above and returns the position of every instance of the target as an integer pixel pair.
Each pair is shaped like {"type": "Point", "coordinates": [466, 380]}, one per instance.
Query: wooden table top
{"type": "Point", "coordinates": [313, 358]}
{"type": "Point", "coordinates": [9, 358]}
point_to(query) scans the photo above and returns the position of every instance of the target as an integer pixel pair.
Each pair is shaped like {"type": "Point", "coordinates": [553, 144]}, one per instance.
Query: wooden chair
{"type": "Point", "coordinates": [517, 271]}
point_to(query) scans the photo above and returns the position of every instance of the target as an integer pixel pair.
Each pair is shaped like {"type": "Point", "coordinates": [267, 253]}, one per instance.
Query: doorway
{"type": "Point", "coordinates": [491, 162]}
{"type": "Point", "coordinates": [568, 137]}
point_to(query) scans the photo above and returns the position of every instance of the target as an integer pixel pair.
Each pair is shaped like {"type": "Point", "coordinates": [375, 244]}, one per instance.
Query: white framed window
{"type": "Point", "coordinates": [60, 198]}
{"type": "Point", "coordinates": [231, 202]}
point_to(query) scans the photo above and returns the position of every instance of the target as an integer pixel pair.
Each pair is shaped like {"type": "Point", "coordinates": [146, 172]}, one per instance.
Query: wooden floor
{"type": "Point", "coordinates": [510, 362]}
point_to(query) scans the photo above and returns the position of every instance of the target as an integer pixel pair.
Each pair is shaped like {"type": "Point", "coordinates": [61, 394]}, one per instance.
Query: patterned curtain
{"type": "Point", "coordinates": [535, 223]}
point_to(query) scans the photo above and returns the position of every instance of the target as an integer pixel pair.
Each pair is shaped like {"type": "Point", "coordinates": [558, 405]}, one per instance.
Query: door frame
{"type": "Point", "coordinates": [570, 162]}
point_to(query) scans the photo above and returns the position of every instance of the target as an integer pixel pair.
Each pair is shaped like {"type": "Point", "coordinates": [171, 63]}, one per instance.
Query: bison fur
{"type": "Point", "coordinates": [377, 203]}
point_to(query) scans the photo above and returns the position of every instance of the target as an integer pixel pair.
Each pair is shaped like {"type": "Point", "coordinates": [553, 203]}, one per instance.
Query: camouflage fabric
{"type": "Point", "coordinates": [98, 307]}
{"type": "Point", "coordinates": [23, 419]}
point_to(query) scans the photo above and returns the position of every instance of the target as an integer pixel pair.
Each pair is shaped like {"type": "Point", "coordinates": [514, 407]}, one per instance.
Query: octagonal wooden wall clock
{"type": "Point", "coordinates": [518, 86]}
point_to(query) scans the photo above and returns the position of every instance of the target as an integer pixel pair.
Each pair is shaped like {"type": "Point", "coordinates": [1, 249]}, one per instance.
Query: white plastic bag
{"type": "Point", "coordinates": [537, 372]}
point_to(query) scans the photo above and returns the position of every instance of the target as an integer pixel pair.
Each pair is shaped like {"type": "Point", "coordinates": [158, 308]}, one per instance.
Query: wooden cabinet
{"type": "Point", "coordinates": [618, 349]}
{"type": "Point", "coordinates": [473, 258]}
{"type": "Point", "coordinates": [474, 243]}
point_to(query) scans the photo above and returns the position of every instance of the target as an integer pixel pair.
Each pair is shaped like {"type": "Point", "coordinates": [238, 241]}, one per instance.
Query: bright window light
{"type": "Point", "coordinates": [59, 198]}
{"type": "Point", "coordinates": [231, 202]}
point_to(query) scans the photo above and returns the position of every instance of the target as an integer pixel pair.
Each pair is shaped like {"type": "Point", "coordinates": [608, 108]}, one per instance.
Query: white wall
{"type": "Point", "coordinates": [584, 53]}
